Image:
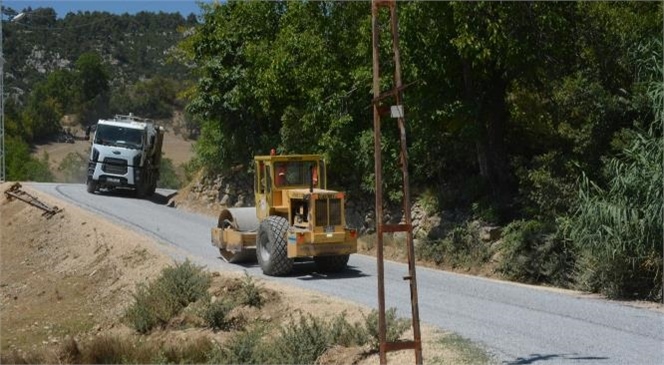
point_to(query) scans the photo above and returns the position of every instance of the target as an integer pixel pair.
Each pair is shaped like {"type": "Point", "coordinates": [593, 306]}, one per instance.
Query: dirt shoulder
{"type": "Point", "coordinates": [73, 276]}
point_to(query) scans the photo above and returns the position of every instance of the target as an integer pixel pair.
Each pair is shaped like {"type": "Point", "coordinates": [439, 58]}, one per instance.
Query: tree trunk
{"type": "Point", "coordinates": [490, 119]}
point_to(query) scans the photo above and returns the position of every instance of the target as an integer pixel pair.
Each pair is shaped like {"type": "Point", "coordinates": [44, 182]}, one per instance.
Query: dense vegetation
{"type": "Point", "coordinates": [86, 66]}
{"type": "Point", "coordinates": [547, 115]}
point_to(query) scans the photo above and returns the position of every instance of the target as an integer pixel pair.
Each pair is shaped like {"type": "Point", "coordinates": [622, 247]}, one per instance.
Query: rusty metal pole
{"type": "Point", "coordinates": [397, 112]}
{"type": "Point", "coordinates": [378, 170]}
{"type": "Point", "coordinates": [406, 189]}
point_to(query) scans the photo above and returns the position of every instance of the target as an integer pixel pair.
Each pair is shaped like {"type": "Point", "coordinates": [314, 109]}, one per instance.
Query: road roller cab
{"type": "Point", "coordinates": [296, 216]}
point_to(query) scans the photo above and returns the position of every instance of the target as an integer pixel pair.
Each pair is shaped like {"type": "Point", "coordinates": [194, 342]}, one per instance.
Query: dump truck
{"type": "Point", "coordinates": [295, 217]}
{"type": "Point", "coordinates": [125, 153]}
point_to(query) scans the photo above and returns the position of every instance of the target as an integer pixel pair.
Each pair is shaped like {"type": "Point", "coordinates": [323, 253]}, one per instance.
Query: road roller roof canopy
{"type": "Point", "coordinates": [274, 158]}
{"type": "Point", "coordinates": [293, 171]}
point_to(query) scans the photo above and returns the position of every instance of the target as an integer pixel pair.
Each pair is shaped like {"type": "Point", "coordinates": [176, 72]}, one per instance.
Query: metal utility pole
{"type": "Point", "coordinates": [2, 104]}
{"type": "Point", "coordinates": [395, 111]}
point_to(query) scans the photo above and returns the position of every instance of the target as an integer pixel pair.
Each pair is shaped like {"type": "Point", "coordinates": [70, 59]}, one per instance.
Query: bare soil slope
{"type": "Point", "coordinates": [73, 275]}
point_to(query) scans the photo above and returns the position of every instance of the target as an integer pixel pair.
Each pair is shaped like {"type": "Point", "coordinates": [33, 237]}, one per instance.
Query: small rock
{"type": "Point", "coordinates": [490, 233]}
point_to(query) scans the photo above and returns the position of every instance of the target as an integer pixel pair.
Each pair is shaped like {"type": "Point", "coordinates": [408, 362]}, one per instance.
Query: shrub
{"type": "Point", "coordinates": [153, 306]}
{"type": "Point", "coordinates": [344, 333]}
{"type": "Point", "coordinates": [215, 314]}
{"type": "Point", "coordinates": [305, 339]}
{"type": "Point", "coordinates": [159, 301]}
{"type": "Point", "coordinates": [300, 341]}
{"type": "Point", "coordinates": [250, 292]}
{"type": "Point", "coordinates": [186, 282]}
{"type": "Point", "coordinates": [618, 228]}
{"type": "Point", "coordinates": [245, 347]}
{"type": "Point", "coordinates": [533, 252]}
{"type": "Point", "coordinates": [395, 327]}
{"type": "Point", "coordinates": [429, 201]}
{"type": "Point", "coordinates": [460, 247]}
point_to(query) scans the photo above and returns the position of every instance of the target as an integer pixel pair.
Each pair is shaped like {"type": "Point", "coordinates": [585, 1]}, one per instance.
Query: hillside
{"type": "Point", "coordinates": [135, 47]}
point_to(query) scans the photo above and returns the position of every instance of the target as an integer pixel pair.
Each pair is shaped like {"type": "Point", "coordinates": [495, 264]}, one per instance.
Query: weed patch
{"type": "Point", "coordinates": [215, 314]}
{"type": "Point", "coordinates": [158, 302]}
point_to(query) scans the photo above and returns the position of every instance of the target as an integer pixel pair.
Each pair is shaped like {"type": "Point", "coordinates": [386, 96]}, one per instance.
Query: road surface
{"type": "Point", "coordinates": [517, 324]}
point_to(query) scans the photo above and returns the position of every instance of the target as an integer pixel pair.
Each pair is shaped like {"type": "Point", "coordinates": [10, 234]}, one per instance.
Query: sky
{"type": "Point", "coordinates": [62, 7]}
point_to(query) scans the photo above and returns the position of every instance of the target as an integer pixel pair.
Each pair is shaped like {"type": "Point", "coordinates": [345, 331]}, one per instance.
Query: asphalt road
{"type": "Point", "coordinates": [517, 324]}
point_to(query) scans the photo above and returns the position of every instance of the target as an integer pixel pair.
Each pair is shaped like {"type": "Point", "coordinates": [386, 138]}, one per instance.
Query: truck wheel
{"type": "Point", "coordinates": [152, 189]}
{"type": "Point", "coordinates": [271, 246]}
{"type": "Point", "coordinates": [331, 263]}
{"type": "Point", "coordinates": [91, 186]}
{"type": "Point", "coordinates": [141, 191]}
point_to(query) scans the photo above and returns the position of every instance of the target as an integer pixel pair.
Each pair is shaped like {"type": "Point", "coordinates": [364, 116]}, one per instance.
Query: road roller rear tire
{"type": "Point", "coordinates": [271, 249]}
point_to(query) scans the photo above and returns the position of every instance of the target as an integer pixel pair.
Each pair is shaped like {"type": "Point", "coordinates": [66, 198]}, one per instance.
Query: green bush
{"type": "Point", "coordinates": [395, 327]}
{"type": "Point", "coordinates": [250, 292]}
{"type": "Point", "coordinates": [21, 166]}
{"type": "Point", "coordinates": [617, 229]}
{"type": "Point", "coordinates": [461, 247]}
{"type": "Point", "coordinates": [300, 341]}
{"type": "Point", "coordinates": [533, 253]}
{"type": "Point", "coordinates": [343, 333]}
{"type": "Point", "coordinates": [246, 347]}
{"type": "Point", "coordinates": [215, 314]}
{"type": "Point", "coordinates": [187, 282]}
{"type": "Point", "coordinates": [305, 339]}
{"type": "Point", "coordinates": [157, 302]}
{"type": "Point", "coordinates": [153, 306]}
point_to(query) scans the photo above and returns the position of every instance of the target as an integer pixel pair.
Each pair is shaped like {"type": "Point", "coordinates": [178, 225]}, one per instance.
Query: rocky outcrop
{"type": "Point", "coordinates": [233, 189]}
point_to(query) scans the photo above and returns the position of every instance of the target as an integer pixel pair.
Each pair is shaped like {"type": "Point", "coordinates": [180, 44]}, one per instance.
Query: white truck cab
{"type": "Point", "coordinates": [125, 153]}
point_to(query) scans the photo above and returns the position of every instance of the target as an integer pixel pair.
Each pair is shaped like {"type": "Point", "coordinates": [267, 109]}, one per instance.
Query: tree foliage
{"type": "Point", "coordinates": [511, 103]}
{"type": "Point", "coordinates": [617, 225]}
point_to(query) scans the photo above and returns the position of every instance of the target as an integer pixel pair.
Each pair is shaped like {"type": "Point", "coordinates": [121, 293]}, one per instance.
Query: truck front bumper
{"type": "Point", "coordinates": [308, 244]}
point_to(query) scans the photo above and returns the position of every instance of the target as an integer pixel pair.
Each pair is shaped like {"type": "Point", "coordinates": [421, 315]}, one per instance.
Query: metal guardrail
{"type": "Point", "coordinates": [15, 192]}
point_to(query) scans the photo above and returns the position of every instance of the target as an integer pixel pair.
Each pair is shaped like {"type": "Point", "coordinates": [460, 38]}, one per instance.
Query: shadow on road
{"type": "Point", "coordinates": [160, 199]}
{"type": "Point", "coordinates": [534, 358]}
{"type": "Point", "coordinates": [307, 270]}
{"type": "Point", "coordinates": [156, 198]}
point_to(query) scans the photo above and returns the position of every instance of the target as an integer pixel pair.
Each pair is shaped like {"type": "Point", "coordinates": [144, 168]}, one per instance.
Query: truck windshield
{"type": "Point", "coordinates": [118, 136]}
{"type": "Point", "coordinates": [295, 173]}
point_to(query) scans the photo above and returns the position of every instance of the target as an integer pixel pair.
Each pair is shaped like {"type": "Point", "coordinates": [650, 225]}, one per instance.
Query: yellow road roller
{"type": "Point", "coordinates": [296, 217]}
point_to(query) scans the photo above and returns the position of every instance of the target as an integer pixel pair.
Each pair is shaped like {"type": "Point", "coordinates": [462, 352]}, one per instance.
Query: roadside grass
{"type": "Point", "coordinates": [182, 298]}
{"type": "Point", "coordinates": [466, 352]}
{"type": "Point", "coordinates": [159, 301]}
